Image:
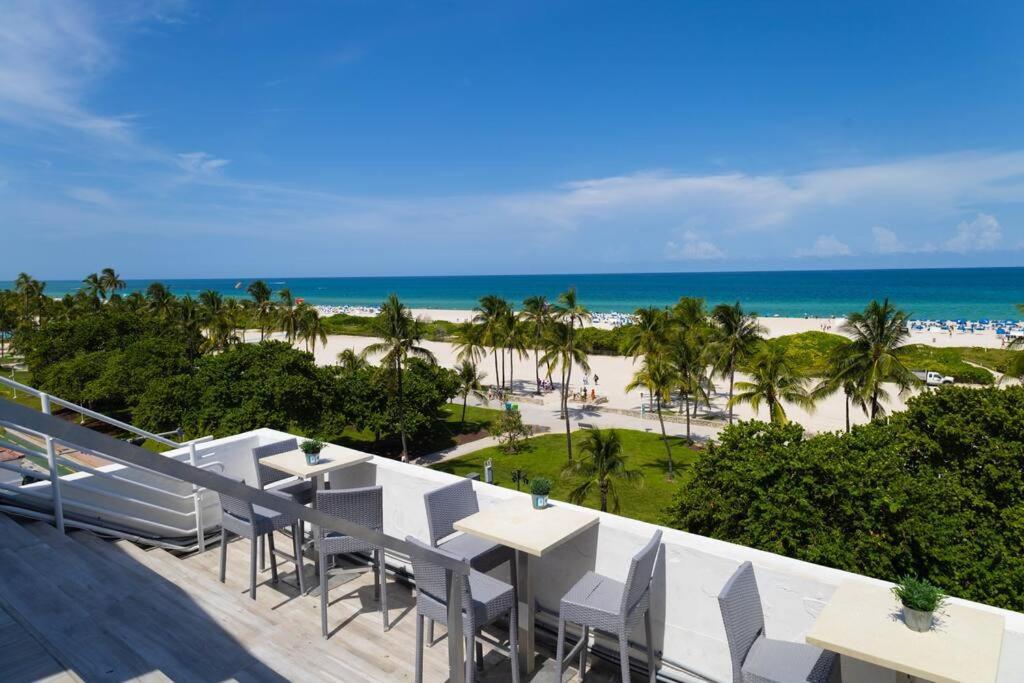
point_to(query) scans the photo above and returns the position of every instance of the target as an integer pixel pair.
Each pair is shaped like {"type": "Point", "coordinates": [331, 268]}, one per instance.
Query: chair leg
{"type": "Point", "coordinates": [263, 554]}
{"type": "Point", "coordinates": [652, 669]}
{"type": "Point", "coordinates": [559, 649]}
{"type": "Point", "coordinates": [479, 655]}
{"type": "Point", "coordinates": [223, 554]}
{"type": "Point", "coordinates": [323, 595]}
{"type": "Point", "coordinates": [470, 669]}
{"type": "Point", "coordinates": [419, 648]}
{"type": "Point", "coordinates": [383, 589]}
{"type": "Point", "coordinates": [299, 564]}
{"type": "Point", "coordinates": [430, 633]}
{"type": "Point", "coordinates": [252, 566]}
{"type": "Point", "coordinates": [513, 640]}
{"type": "Point", "coordinates": [273, 557]}
{"type": "Point", "coordinates": [583, 651]}
{"type": "Point", "coordinates": [624, 654]}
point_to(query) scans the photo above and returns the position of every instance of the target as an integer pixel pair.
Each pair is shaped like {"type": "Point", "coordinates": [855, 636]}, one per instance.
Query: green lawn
{"type": "Point", "coordinates": [23, 376]}
{"type": "Point", "coordinates": [547, 457]}
{"type": "Point", "coordinates": [446, 433]}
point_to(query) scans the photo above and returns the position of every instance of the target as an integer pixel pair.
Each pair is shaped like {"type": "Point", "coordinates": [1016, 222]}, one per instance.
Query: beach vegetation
{"type": "Point", "coordinates": [737, 335]}
{"type": "Point", "coordinates": [602, 466]}
{"type": "Point", "coordinates": [774, 381]}
{"type": "Point", "coordinates": [510, 432]}
{"type": "Point", "coordinates": [470, 384]}
{"type": "Point", "coordinates": [661, 378]}
{"type": "Point", "coordinates": [936, 490]}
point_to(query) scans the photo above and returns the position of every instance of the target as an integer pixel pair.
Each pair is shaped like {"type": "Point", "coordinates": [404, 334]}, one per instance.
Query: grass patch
{"type": "Point", "coordinates": [364, 326]}
{"type": "Point", "coordinates": [447, 432]}
{"type": "Point", "coordinates": [809, 351]}
{"type": "Point", "coordinates": [546, 457]}
{"type": "Point", "coordinates": [23, 376]}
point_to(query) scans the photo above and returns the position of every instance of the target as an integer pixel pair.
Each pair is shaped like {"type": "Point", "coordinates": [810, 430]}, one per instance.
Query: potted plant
{"type": "Point", "coordinates": [312, 448]}
{"type": "Point", "coordinates": [540, 488]}
{"type": "Point", "coordinates": [920, 599]}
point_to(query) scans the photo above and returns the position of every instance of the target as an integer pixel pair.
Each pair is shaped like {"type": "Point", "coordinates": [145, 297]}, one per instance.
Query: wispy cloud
{"type": "Point", "coordinates": [825, 246]}
{"type": "Point", "coordinates": [91, 195]}
{"type": "Point", "coordinates": [692, 247]}
{"type": "Point", "coordinates": [200, 163]}
{"type": "Point", "coordinates": [886, 241]}
{"type": "Point", "coordinates": [982, 233]}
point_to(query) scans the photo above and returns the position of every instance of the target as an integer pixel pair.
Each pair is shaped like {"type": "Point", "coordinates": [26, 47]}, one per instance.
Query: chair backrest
{"type": "Point", "coordinates": [447, 505]}
{"type": "Point", "coordinates": [432, 581]}
{"type": "Point", "coordinates": [641, 570]}
{"type": "Point", "coordinates": [364, 506]}
{"type": "Point", "coordinates": [740, 604]}
{"type": "Point", "coordinates": [236, 507]}
{"type": "Point", "coordinates": [268, 475]}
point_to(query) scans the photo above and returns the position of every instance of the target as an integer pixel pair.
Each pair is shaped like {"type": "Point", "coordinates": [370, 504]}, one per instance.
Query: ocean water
{"type": "Point", "coordinates": [968, 293]}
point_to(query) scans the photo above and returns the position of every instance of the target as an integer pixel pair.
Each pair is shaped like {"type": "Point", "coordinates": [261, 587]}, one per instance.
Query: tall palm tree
{"type": "Point", "coordinates": [470, 382]}
{"type": "Point", "coordinates": [190, 320]}
{"type": "Point", "coordinates": [773, 380]}
{"type": "Point", "coordinates": [873, 356]}
{"type": "Point", "coordinates": [8, 319]}
{"type": "Point", "coordinates": [469, 343]}
{"type": "Point", "coordinates": [573, 314]}
{"type": "Point", "coordinates": [400, 334]}
{"type": "Point", "coordinates": [94, 288]}
{"type": "Point", "coordinates": [160, 301]}
{"type": "Point", "coordinates": [310, 327]}
{"type": "Point", "coordinates": [287, 315]}
{"type": "Point", "coordinates": [736, 337]}
{"type": "Point", "coordinates": [111, 282]}
{"type": "Point", "coordinates": [491, 314]}
{"type": "Point", "coordinates": [648, 335]}
{"type": "Point", "coordinates": [536, 315]}
{"type": "Point", "coordinates": [31, 298]}
{"type": "Point", "coordinates": [689, 312]}
{"type": "Point", "coordinates": [262, 304]}
{"type": "Point", "coordinates": [565, 350]}
{"type": "Point", "coordinates": [839, 378]}
{"type": "Point", "coordinates": [517, 341]}
{"type": "Point", "coordinates": [350, 361]}
{"type": "Point", "coordinates": [658, 375]}
{"type": "Point", "coordinates": [602, 467]}
{"type": "Point", "coordinates": [689, 359]}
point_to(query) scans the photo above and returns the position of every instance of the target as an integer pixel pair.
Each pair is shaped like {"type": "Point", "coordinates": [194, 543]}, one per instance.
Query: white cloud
{"type": "Point", "coordinates": [981, 233]}
{"type": "Point", "coordinates": [824, 246]}
{"type": "Point", "coordinates": [91, 195]}
{"type": "Point", "coordinates": [200, 163]}
{"type": "Point", "coordinates": [692, 247]}
{"type": "Point", "coordinates": [886, 241]}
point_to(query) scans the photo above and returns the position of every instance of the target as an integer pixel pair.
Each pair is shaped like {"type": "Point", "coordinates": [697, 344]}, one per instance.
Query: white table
{"type": "Point", "coordinates": [863, 622]}
{"type": "Point", "coordinates": [331, 458]}
{"type": "Point", "coordinates": [531, 533]}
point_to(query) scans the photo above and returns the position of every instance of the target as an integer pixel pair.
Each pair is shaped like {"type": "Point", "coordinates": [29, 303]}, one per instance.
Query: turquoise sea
{"type": "Point", "coordinates": [969, 293]}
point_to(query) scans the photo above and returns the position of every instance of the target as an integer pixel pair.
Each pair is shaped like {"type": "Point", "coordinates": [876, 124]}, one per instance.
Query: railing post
{"type": "Point", "coordinates": [456, 656]}
{"type": "Point", "coordinates": [200, 531]}
{"type": "Point", "coordinates": [51, 457]}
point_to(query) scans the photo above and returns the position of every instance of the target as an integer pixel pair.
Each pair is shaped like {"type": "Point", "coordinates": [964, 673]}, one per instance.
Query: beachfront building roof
{"type": "Point", "coordinates": [112, 573]}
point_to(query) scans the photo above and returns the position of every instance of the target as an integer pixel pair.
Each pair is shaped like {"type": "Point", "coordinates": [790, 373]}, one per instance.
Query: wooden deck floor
{"type": "Point", "coordinates": [81, 608]}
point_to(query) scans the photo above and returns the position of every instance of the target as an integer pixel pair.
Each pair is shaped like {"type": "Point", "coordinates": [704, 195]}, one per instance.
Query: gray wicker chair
{"type": "Point", "coordinates": [364, 506]}
{"type": "Point", "coordinates": [485, 599]}
{"type": "Point", "coordinates": [300, 491]}
{"type": "Point", "coordinates": [449, 504]}
{"type": "Point", "coordinates": [599, 603]}
{"type": "Point", "coordinates": [254, 522]}
{"type": "Point", "coordinates": [755, 658]}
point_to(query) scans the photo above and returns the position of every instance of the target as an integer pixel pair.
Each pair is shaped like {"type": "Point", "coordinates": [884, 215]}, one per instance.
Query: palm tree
{"type": "Point", "coordinates": [94, 288]}
{"type": "Point", "coordinates": [773, 380]}
{"type": "Point", "coordinates": [536, 315]}
{"type": "Point", "coordinates": [470, 382]}
{"type": "Point", "coordinates": [160, 300]}
{"type": "Point", "coordinates": [517, 340]}
{"type": "Point", "coordinates": [287, 315]}
{"type": "Point", "coordinates": [190, 320]}
{"type": "Point", "coordinates": [736, 338]}
{"type": "Point", "coordinates": [874, 353]}
{"type": "Point", "coordinates": [689, 359]}
{"type": "Point", "coordinates": [310, 327]}
{"type": "Point", "coordinates": [8, 318]}
{"type": "Point", "coordinates": [573, 314]}
{"type": "Point", "coordinates": [469, 344]}
{"type": "Point", "coordinates": [262, 305]}
{"type": "Point", "coordinates": [32, 299]}
{"type": "Point", "coordinates": [400, 335]}
{"type": "Point", "coordinates": [658, 374]}
{"type": "Point", "coordinates": [839, 378]}
{"type": "Point", "coordinates": [648, 335]}
{"type": "Point", "coordinates": [566, 350]}
{"type": "Point", "coordinates": [111, 282]}
{"type": "Point", "coordinates": [602, 467]}
{"type": "Point", "coordinates": [491, 315]}
{"type": "Point", "coordinates": [350, 361]}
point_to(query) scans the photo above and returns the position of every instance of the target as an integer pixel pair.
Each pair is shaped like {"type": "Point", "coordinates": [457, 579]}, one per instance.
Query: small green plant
{"type": "Point", "coordinates": [311, 446]}
{"type": "Point", "coordinates": [511, 432]}
{"type": "Point", "coordinates": [540, 486]}
{"type": "Point", "coordinates": [519, 477]}
{"type": "Point", "coordinates": [918, 594]}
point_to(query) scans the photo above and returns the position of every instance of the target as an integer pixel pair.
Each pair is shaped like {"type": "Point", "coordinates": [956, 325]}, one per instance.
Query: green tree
{"type": "Point", "coordinates": [874, 354]}
{"type": "Point", "coordinates": [311, 327]}
{"type": "Point", "coordinates": [470, 382]}
{"type": "Point", "coordinates": [658, 375]}
{"type": "Point", "coordinates": [262, 305]}
{"type": "Point", "coordinates": [573, 314]}
{"type": "Point", "coordinates": [773, 381]}
{"type": "Point", "coordinates": [491, 316]}
{"type": "Point", "coordinates": [8, 319]}
{"type": "Point", "coordinates": [510, 432]}
{"type": "Point", "coordinates": [536, 315]}
{"type": "Point", "coordinates": [400, 335]}
{"type": "Point", "coordinates": [601, 467]}
{"type": "Point", "coordinates": [160, 300]}
{"type": "Point", "coordinates": [689, 358]}
{"type": "Point", "coordinates": [110, 282]}
{"type": "Point", "coordinates": [737, 335]}
{"type": "Point", "coordinates": [287, 315]}
{"type": "Point", "coordinates": [562, 348]}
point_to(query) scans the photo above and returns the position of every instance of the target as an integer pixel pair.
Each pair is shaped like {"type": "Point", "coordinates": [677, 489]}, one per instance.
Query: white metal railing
{"type": "Point", "coordinates": [46, 403]}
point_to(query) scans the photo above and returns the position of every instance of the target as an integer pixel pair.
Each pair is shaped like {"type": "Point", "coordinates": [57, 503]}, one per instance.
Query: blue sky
{"type": "Point", "coordinates": [168, 138]}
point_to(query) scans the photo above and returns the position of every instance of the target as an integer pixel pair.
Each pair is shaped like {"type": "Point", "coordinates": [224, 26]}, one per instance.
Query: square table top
{"type": "Point", "coordinates": [864, 621]}
{"type": "Point", "coordinates": [331, 458]}
{"type": "Point", "coordinates": [515, 524]}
